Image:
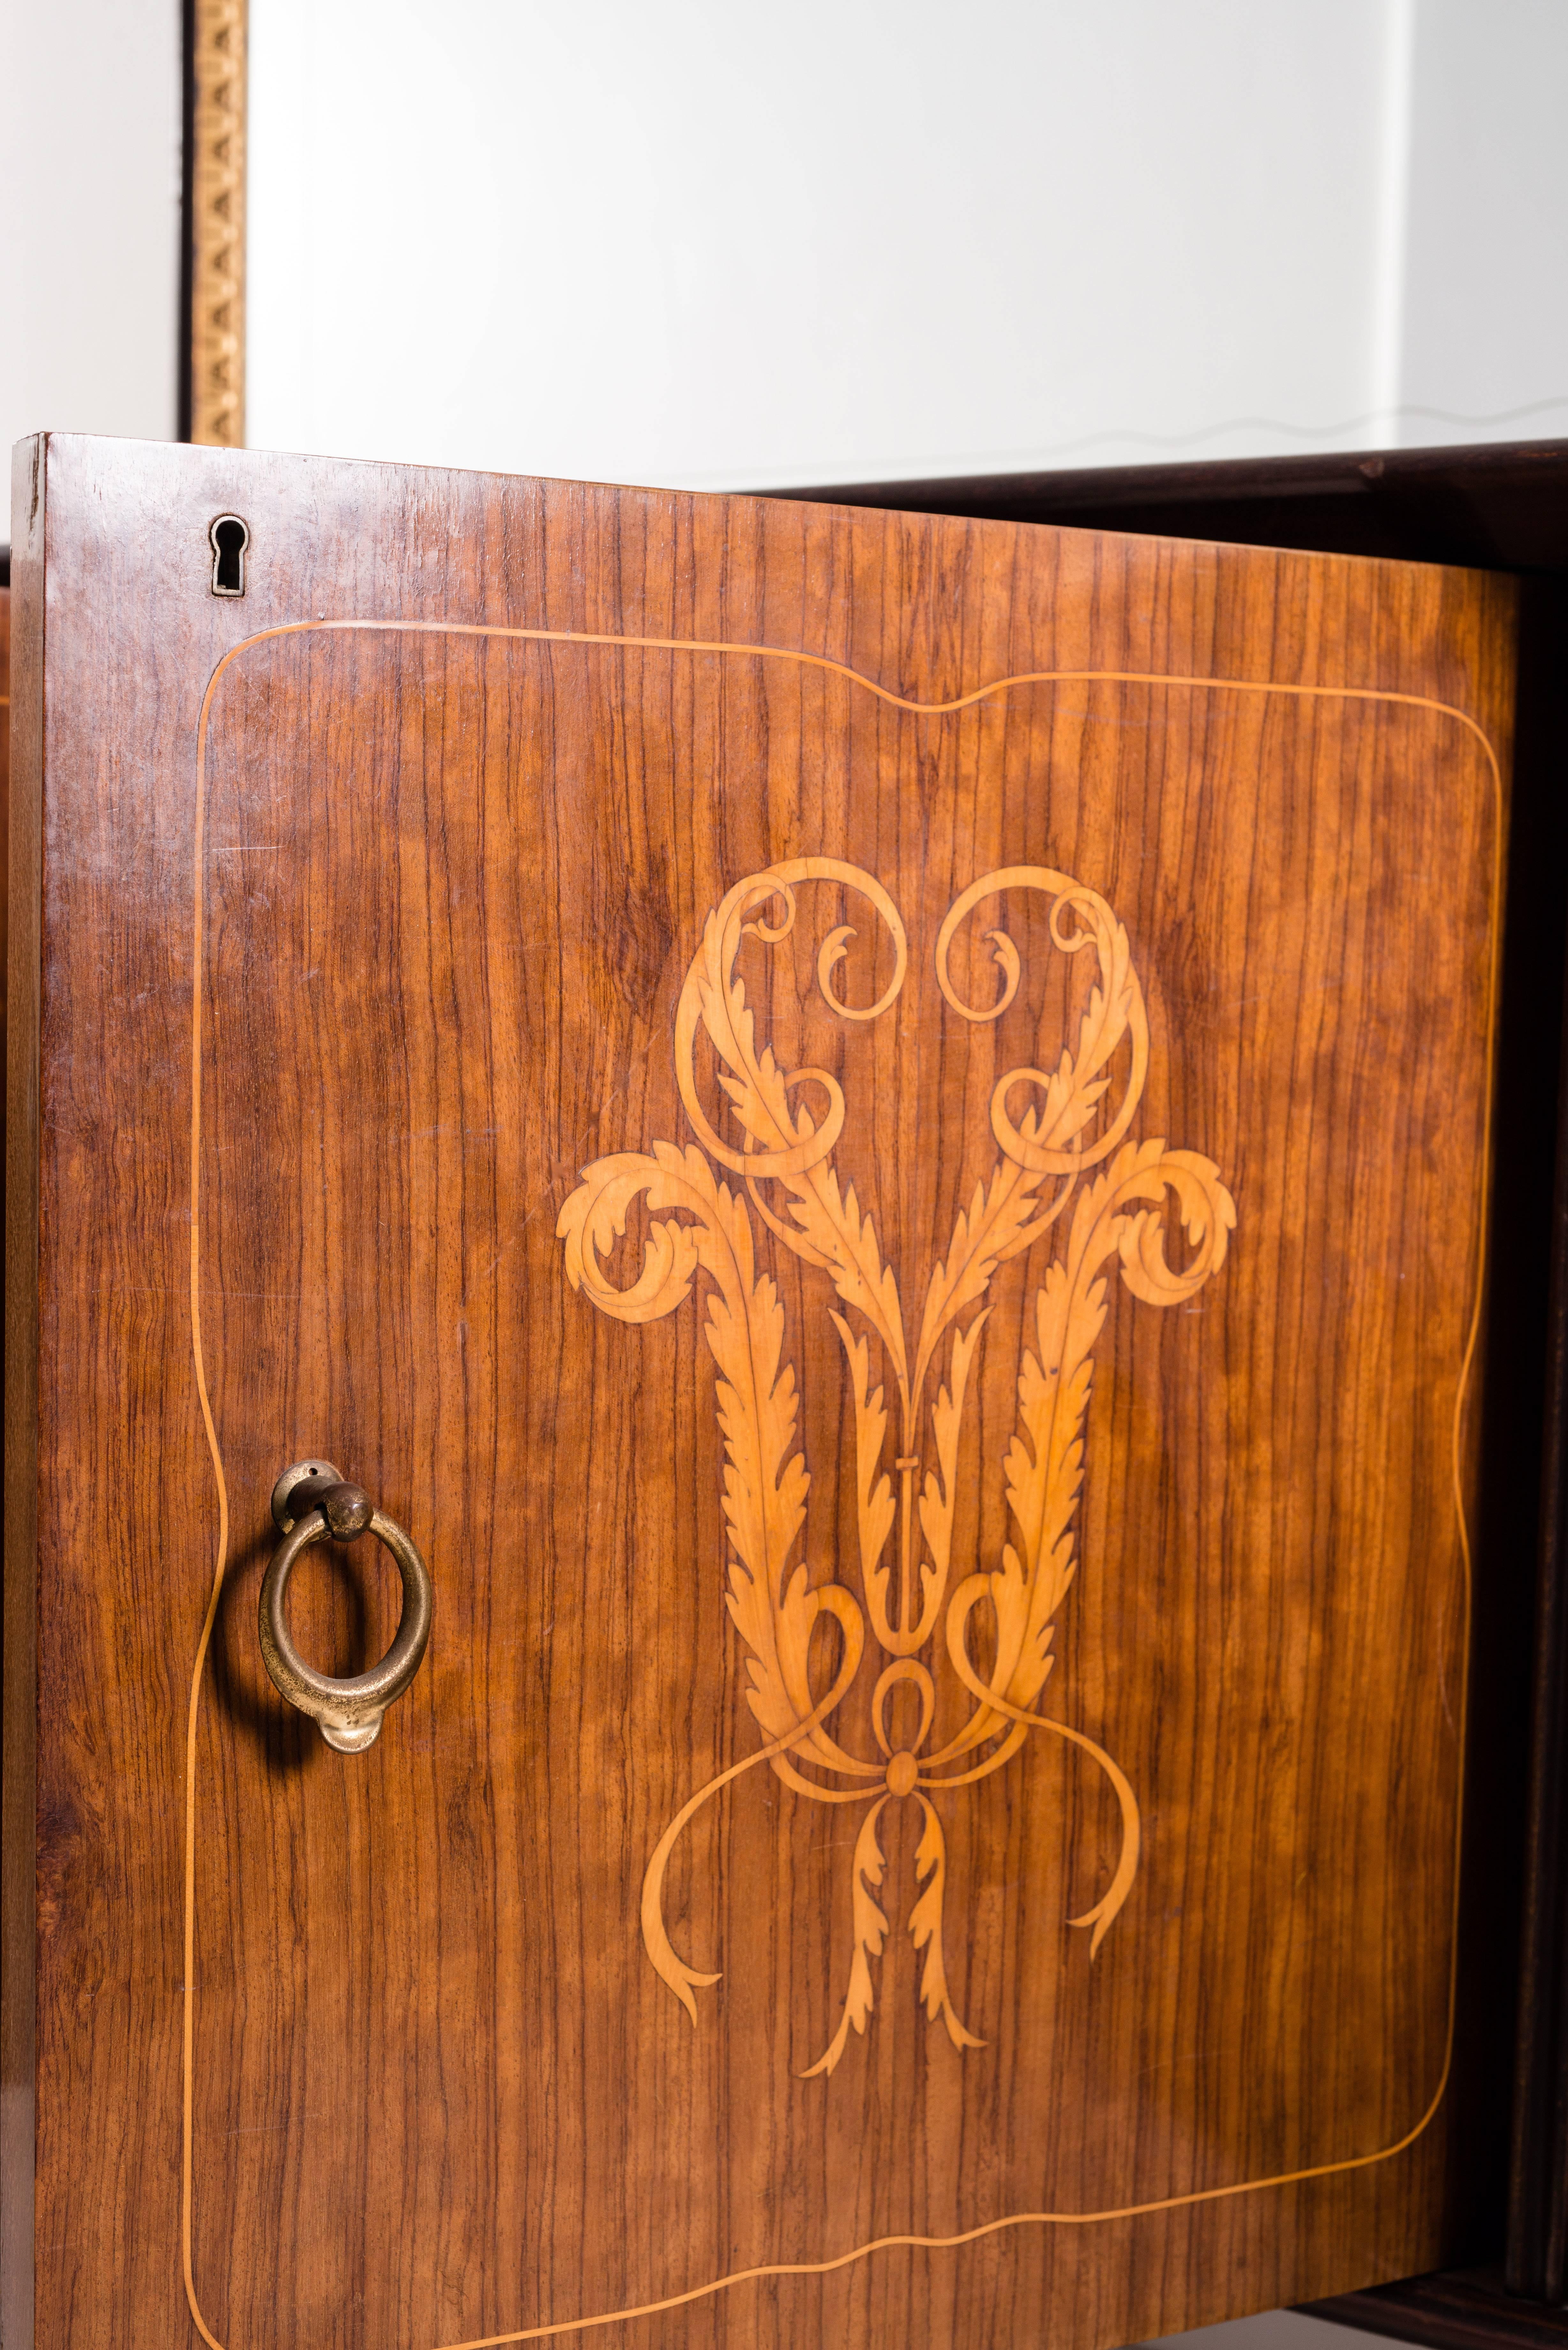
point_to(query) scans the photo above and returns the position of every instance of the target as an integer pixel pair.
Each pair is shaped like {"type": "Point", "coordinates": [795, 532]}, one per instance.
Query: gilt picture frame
{"type": "Point", "coordinates": [212, 369]}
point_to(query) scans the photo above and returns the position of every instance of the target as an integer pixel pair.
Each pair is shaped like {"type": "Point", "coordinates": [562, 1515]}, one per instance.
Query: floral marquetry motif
{"type": "Point", "coordinates": [1068, 1166]}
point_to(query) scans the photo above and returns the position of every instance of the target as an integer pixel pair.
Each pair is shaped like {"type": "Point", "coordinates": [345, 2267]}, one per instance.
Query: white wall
{"type": "Point", "coordinates": [708, 244]}
{"type": "Point", "coordinates": [712, 242]}
{"type": "Point", "coordinates": [89, 217]}
{"type": "Point", "coordinates": [1484, 330]}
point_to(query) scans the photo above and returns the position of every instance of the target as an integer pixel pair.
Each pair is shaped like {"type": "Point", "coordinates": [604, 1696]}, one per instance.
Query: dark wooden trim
{"type": "Point", "coordinates": [1536, 2251]}
{"type": "Point", "coordinates": [1502, 506]}
{"type": "Point", "coordinates": [1466, 2310]}
{"type": "Point", "coordinates": [186, 325]}
{"type": "Point", "coordinates": [19, 1750]}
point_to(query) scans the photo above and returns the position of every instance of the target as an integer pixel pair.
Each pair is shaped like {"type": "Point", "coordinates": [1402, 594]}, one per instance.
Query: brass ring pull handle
{"type": "Point", "coordinates": [312, 1502]}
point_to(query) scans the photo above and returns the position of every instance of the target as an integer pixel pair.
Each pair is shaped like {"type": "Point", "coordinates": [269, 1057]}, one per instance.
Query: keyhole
{"type": "Point", "coordinates": [230, 538]}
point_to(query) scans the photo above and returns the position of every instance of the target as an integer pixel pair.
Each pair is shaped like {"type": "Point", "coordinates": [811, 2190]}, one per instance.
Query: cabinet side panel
{"type": "Point", "coordinates": [17, 1906]}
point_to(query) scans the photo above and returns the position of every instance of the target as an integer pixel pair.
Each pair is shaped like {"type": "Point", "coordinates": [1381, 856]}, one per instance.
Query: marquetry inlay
{"type": "Point", "coordinates": [1071, 1148]}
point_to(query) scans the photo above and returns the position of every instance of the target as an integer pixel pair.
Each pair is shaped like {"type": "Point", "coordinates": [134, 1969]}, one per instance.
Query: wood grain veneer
{"type": "Point", "coordinates": [18, 1751]}
{"type": "Point", "coordinates": [368, 904]}
{"type": "Point", "coordinates": [1505, 507]}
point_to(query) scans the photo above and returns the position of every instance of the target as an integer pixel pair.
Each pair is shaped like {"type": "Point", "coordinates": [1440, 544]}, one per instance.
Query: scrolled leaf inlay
{"type": "Point", "coordinates": [1068, 1144]}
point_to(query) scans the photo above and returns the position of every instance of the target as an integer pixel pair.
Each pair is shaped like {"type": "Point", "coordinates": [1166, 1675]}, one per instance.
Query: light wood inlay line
{"type": "Point", "coordinates": [995, 687]}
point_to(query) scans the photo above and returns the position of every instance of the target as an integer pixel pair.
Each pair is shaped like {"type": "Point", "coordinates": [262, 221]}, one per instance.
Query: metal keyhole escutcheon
{"type": "Point", "coordinates": [313, 1502]}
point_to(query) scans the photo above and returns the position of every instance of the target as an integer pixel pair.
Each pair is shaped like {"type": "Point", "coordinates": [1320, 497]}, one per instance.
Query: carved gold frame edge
{"type": "Point", "coordinates": [1007, 2221]}
{"type": "Point", "coordinates": [219, 31]}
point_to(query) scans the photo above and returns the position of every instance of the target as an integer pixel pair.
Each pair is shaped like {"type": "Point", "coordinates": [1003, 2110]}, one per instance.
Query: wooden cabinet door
{"type": "Point", "coordinates": [874, 1132]}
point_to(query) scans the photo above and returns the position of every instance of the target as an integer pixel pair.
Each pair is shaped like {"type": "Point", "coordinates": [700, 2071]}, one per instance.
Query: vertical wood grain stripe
{"type": "Point", "coordinates": [919, 709]}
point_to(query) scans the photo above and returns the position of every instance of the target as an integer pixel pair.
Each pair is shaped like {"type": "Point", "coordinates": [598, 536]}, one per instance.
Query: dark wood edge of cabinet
{"type": "Point", "coordinates": [1500, 506]}
{"type": "Point", "coordinates": [1496, 507]}
{"type": "Point", "coordinates": [1536, 2256]}
{"type": "Point", "coordinates": [18, 1751]}
{"type": "Point", "coordinates": [1468, 2309]}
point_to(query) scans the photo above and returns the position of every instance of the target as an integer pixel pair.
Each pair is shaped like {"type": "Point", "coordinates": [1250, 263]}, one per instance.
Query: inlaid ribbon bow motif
{"type": "Point", "coordinates": [781, 1171]}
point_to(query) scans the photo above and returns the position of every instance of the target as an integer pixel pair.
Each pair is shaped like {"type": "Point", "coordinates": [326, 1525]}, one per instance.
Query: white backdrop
{"type": "Point", "coordinates": [90, 218]}
{"type": "Point", "coordinates": [711, 243]}
{"type": "Point", "coordinates": [708, 244]}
